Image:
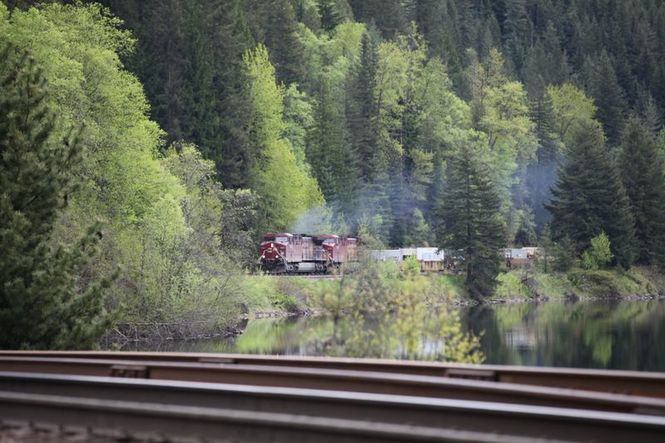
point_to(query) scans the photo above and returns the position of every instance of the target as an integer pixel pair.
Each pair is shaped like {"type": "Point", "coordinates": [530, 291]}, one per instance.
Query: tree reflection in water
{"type": "Point", "coordinates": [599, 334]}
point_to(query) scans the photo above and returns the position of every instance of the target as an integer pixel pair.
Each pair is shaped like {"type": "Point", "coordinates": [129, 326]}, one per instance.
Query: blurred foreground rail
{"type": "Point", "coordinates": [648, 384]}
{"type": "Point", "coordinates": [219, 397]}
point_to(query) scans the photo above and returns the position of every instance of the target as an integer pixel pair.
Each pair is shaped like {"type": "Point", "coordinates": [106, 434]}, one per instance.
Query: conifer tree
{"type": "Point", "coordinates": [608, 96]}
{"type": "Point", "coordinates": [541, 172]}
{"type": "Point", "coordinates": [362, 112]}
{"type": "Point", "coordinates": [515, 31]}
{"type": "Point", "coordinates": [642, 172]}
{"type": "Point", "coordinates": [332, 158]}
{"type": "Point", "coordinates": [276, 26]}
{"type": "Point", "coordinates": [44, 301]}
{"type": "Point", "coordinates": [471, 220]}
{"type": "Point", "coordinates": [333, 12]}
{"type": "Point", "coordinates": [389, 15]}
{"type": "Point", "coordinates": [589, 198]}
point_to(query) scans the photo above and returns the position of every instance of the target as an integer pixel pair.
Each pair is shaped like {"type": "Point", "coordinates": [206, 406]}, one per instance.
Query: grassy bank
{"type": "Point", "coordinates": [292, 294]}
{"type": "Point", "coordinates": [288, 295]}
{"type": "Point", "coordinates": [580, 284]}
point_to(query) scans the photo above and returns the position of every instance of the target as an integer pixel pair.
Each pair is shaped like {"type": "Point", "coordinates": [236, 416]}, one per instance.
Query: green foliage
{"type": "Point", "coordinates": [382, 312]}
{"type": "Point", "coordinates": [589, 198]}
{"type": "Point", "coordinates": [573, 111]}
{"type": "Point", "coordinates": [564, 255]}
{"type": "Point", "coordinates": [500, 111]}
{"type": "Point", "coordinates": [46, 300]}
{"type": "Point", "coordinates": [643, 174]}
{"type": "Point", "coordinates": [471, 221]}
{"type": "Point", "coordinates": [603, 84]}
{"type": "Point", "coordinates": [410, 266]}
{"type": "Point", "coordinates": [420, 233]}
{"type": "Point", "coordinates": [189, 58]}
{"type": "Point", "coordinates": [284, 189]}
{"type": "Point", "coordinates": [510, 286]}
{"type": "Point", "coordinates": [380, 116]}
{"type": "Point", "coordinates": [299, 119]}
{"type": "Point", "coordinates": [599, 255]}
{"type": "Point", "coordinates": [372, 104]}
{"type": "Point", "coordinates": [285, 302]}
{"type": "Point", "coordinates": [274, 24]}
{"type": "Point", "coordinates": [164, 218]}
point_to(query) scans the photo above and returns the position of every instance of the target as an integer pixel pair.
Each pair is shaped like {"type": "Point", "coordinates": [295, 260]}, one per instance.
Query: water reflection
{"type": "Point", "coordinates": [616, 335]}
{"type": "Point", "coordinates": [609, 334]}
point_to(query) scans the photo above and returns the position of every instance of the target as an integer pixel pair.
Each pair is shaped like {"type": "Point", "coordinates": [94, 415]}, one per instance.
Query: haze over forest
{"type": "Point", "coordinates": [175, 133]}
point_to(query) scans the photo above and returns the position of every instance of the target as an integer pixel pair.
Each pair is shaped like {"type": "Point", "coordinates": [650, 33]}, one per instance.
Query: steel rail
{"type": "Point", "coordinates": [341, 380]}
{"type": "Point", "coordinates": [140, 420]}
{"type": "Point", "coordinates": [647, 384]}
{"type": "Point", "coordinates": [408, 417]}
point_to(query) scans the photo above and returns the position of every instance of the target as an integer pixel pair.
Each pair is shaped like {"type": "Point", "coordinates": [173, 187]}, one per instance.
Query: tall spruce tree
{"type": "Point", "coordinates": [274, 23]}
{"type": "Point", "coordinates": [643, 175]}
{"type": "Point", "coordinates": [589, 198]}
{"type": "Point", "coordinates": [44, 303]}
{"type": "Point", "coordinates": [608, 95]}
{"type": "Point", "coordinates": [362, 112]}
{"type": "Point", "coordinates": [470, 220]}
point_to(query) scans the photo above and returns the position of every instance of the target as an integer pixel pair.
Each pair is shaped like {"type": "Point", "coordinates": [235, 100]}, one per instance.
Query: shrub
{"type": "Point", "coordinates": [599, 255]}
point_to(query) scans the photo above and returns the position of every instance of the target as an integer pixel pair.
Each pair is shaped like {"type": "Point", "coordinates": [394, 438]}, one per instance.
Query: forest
{"type": "Point", "coordinates": [145, 146]}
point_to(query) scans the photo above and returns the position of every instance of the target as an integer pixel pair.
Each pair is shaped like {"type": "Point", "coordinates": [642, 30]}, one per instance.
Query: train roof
{"type": "Point", "coordinates": [320, 236]}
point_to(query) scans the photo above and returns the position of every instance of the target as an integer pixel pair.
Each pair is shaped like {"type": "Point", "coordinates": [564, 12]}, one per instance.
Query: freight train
{"type": "Point", "coordinates": [301, 253]}
{"type": "Point", "coordinates": [281, 253]}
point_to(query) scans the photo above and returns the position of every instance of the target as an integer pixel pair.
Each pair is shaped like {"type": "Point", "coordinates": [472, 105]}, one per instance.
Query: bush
{"type": "Point", "coordinates": [510, 285]}
{"type": "Point", "coordinates": [285, 302]}
{"type": "Point", "coordinates": [411, 267]}
{"type": "Point", "coordinates": [599, 255]}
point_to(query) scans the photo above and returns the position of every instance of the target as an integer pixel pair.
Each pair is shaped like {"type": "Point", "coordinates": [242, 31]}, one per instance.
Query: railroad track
{"type": "Point", "coordinates": [647, 384]}
{"type": "Point", "coordinates": [308, 276]}
{"type": "Point", "coordinates": [264, 398]}
{"type": "Point", "coordinates": [342, 380]}
{"type": "Point", "coordinates": [251, 413]}
{"type": "Point", "coordinates": [157, 422]}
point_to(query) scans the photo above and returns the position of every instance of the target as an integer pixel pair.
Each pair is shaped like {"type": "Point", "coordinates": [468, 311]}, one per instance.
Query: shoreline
{"type": "Point", "coordinates": [113, 340]}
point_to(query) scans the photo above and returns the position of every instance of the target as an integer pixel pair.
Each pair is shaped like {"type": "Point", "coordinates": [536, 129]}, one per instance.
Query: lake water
{"type": "Point", "coordinates": [602, 334]}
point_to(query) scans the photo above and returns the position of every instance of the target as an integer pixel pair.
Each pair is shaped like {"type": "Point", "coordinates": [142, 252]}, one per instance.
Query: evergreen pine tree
{"type": "Point", "coordinates": [470, 211]}
{"type": "Point", "coordinates": [362, 112]}
{"type": "Point", "coordinates": [234, 154]}
{"type": "Point", "coordinates": [643, 175]}
{"type": "Point", "coordinates": [275, 24]}
{"type": "Point", "coordinates": [390, 16]}
{"type": "Point", "coordinates": [333, 13]}
{"type": "Point", "coordinates": [516, 29]}
{"type": "Point", "coordinates": [589, 198]}
{"type": "Point", "coordinates": [44, 303]}
{"type": "Point", "coordinates": [332, 158]}
{"type": "Point", "coordinates": [608, 96]}
{"type": "Point", "coordinates": [541, 173]}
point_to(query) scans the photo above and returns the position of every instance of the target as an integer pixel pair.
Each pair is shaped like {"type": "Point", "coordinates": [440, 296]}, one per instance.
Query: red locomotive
{"type": "Point", "coordinates": [296, 253]}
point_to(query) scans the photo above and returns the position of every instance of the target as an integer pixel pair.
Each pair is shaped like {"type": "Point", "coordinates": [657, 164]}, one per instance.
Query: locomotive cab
{"type": "Point", "coordinates": [273, 251]}
{"type": "Point", "coordinates": [329, 247]}
{"type": "Point", "coordinates": [301, 253]}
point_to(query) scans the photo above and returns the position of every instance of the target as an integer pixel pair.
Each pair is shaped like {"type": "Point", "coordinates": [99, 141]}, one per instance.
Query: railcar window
{"type": "Point", "coordinates": [282, 239]}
